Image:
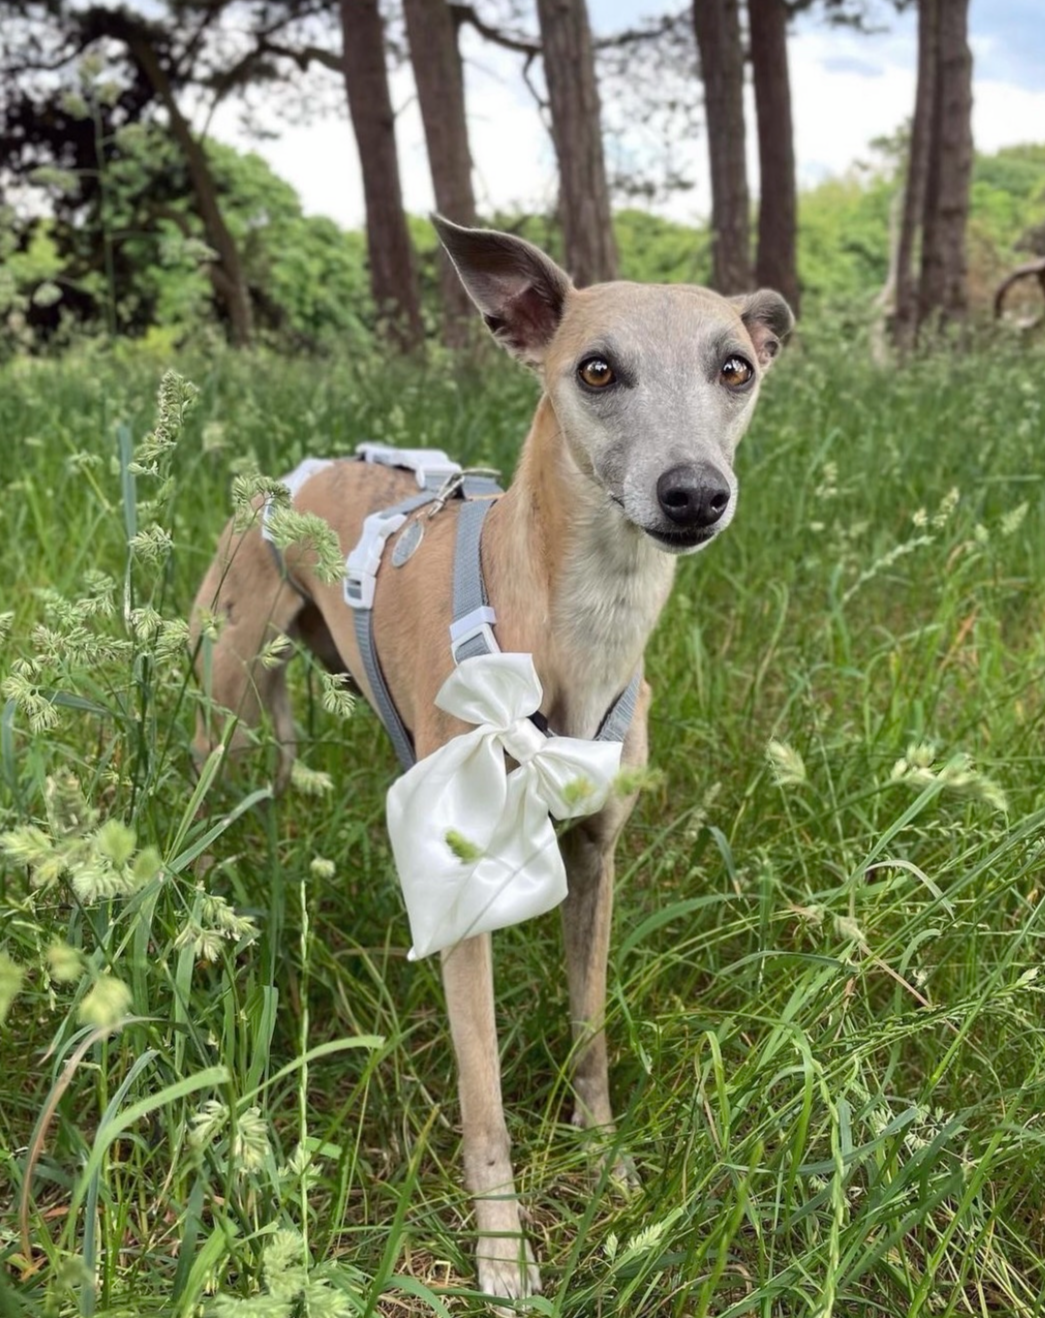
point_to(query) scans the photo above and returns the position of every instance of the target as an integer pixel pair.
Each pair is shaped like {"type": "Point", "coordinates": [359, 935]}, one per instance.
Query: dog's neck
{"type": "Point", "coordinates": [574, 582]}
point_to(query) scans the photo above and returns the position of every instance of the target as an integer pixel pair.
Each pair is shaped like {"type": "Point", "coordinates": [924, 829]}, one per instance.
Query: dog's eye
{"type": "Point", "coordinates": [736, 372]}
{"type": "Point", "coordinates": [596, 373]}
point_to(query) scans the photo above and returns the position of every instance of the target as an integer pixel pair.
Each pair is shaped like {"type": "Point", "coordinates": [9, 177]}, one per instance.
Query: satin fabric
{"type": "Point", "coordinates": [504, 865]}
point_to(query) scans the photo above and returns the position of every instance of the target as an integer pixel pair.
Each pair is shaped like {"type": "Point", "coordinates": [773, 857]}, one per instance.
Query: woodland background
{"type": "Point", "coordinates": [121, 216]}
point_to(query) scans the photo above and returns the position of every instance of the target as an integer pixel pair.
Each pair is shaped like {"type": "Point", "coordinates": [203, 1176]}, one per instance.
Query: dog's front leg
{"type": "Point", "coordinates": [587, 917]}
{"type": "Point", "coordinates": [505, 1261]}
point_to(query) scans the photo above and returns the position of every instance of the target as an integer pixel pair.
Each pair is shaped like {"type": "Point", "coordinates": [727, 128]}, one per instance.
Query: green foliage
{"type": "Point", "coordinates": [308, 277]}
{"type": "Point", "coordinates": [843, 243]}
{"type": "Point", "coordinates": [656, 251]}
{"type": "Point", "coordinates": [1008, 202]}
{"type": "Point", "coordinates": [29, 275]}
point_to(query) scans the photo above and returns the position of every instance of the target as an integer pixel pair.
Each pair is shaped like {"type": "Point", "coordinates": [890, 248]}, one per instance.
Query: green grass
{"type": "Point", "coordinates": [825, 1022]}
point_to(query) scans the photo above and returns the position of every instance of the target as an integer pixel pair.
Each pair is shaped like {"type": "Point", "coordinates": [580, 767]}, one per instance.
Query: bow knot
{"type": "Point", "coordinates": [505, 864]}
{"type": "Point", "coordinates": [523, 740]}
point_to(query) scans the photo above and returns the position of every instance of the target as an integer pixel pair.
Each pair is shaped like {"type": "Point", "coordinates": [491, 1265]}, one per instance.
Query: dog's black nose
{"type": "Point", "coordinates": [693, 496]}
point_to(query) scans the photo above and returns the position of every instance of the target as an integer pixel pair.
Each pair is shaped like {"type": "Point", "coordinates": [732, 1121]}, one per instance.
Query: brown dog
{"type": "Point", "coordinates": [628, 464]}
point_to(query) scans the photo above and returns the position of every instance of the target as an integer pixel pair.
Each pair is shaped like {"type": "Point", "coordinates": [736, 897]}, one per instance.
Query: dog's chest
{"type": "Point", "coordinates": [602, 620]}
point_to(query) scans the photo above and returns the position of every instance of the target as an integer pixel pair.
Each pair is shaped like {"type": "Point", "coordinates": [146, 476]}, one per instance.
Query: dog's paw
{"type": "Point", "coordinates": [507, 1270]}
{"type": "Point", "coordinates": [624, 1176]}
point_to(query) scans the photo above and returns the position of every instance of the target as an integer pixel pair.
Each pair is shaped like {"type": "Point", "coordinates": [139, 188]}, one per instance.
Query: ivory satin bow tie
{"type": "Point", "coordinates": [503, 865]}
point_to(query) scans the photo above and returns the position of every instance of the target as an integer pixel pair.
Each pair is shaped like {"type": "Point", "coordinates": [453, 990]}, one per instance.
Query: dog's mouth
{"type": "Point", "coordinates": [675, 540]}
{"type": "Point", "coordinates": [678, 540]}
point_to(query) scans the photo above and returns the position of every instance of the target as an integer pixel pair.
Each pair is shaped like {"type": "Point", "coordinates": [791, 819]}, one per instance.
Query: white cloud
{"type": "Point", "coordinates": [846, 91]}
{"type": "Point", "coordinates": [1003, 114]}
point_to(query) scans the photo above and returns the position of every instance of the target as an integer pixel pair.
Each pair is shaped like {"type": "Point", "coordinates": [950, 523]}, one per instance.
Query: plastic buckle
{"type": "Point", "coordinates": [427, 464]}
{"type": "Point", "coordinates": [437, 473]}
{"type": "Point", "coordinates": [362, 563]}
{"type": "Point", "coordinates": [477, 623]}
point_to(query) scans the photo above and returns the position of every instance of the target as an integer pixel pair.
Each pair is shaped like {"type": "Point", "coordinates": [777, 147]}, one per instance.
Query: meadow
{"type": "Point", "coordinates": [224, 1089]}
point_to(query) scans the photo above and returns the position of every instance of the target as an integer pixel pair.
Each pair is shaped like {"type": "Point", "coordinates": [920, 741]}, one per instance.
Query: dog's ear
{"type": "Point", "coordinates": [768, 319]}
{"type": "Point", "coordinates": [518, 289]}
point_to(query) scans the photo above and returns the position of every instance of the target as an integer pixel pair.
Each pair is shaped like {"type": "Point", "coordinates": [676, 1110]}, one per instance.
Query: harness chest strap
{"type": "Point", "coordinates": [471, 631]}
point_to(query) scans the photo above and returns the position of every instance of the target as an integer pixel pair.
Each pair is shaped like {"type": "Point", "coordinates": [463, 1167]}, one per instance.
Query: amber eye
{"type": "Point", "coordinates": [596, 373]}
{"type": "Point", "coordinates": [736, 372]}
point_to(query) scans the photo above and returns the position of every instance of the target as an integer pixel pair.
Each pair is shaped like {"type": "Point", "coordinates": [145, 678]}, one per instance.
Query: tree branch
{"type": "Point", "coordinates": [305, 56]}
{"type": "Point", "coordinates": [465, 14]}
{"type": "Point", "coordinates": [1032, 270]}
{"type": "Point", "coordinates": [633, 36]}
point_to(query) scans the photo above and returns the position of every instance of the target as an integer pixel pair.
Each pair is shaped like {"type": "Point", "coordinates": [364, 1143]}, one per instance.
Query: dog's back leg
{"type": "Point", "coordinates": [244, 605]}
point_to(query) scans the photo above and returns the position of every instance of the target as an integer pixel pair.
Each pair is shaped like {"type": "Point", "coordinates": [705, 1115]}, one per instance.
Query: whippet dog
{"type": "Point", "coordinates": [628, 464]}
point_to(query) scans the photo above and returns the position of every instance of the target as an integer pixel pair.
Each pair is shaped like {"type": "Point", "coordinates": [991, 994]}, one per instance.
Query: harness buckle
{"type": "Point", "coordinates": [477, 623]}
{"type": "Point", "coordinates": [430, 466]}
{"type": "Point", "coordinates": [362, 563]}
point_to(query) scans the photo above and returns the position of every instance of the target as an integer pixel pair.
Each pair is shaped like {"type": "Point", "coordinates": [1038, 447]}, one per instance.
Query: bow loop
{"type": "Point", "coordinates": [493, 690]}
{"type": "Point", "coordinates": [573, 778]}
{"type": "Point", "coordinates": [474, 844]}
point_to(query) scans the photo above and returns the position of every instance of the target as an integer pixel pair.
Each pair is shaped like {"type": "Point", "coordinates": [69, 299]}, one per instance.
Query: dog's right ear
{"type": "Point", "coordinates": [519, 290]}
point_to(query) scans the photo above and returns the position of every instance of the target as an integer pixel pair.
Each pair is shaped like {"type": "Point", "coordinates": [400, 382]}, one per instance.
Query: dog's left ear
{"type": "Point", "coordinates": [768, 319]}
{"type": "Point", "coordinates": [519, 290]}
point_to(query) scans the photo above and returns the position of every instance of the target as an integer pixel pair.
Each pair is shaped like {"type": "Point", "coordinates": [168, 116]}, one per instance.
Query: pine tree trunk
{"type": "Point", "coordinates": [717, 26]}
{"type": "Point", "coordinates": [393, 279]}
{"type": "Point", "coordinates": [569, 69]}
{"type": "Point", "coordinates": [942, 294]}
{"type": "Point", "coordinates": [436, 60]}
{"type": "Point", "coordinates": [776, 262]}
{"type": "Point", "coordinates": [905, 319]}
{"type": "Point", "coordinates": [226, 272]}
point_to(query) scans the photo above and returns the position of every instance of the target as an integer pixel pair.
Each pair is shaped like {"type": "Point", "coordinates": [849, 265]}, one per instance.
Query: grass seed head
{"type": "Point", "coordinates": [639, 778]}
{"type": "Point", "coordinates": [107, 1003]}
{"type": "Point", "coordinates": [206, 1123]}
{"type": "Point", "coordinates": [250, 1144]}
{"type": "Point", "coordinates": [10, 982]}
{"type": "Point", "coordinates": [64, 963]}
{"type": "Point", "coordinates": [335, 696]}
{"type": "Point", "coordinates": [308, 534]}
{"type": "Point", "coordinates": [786, 764]}
{"type": "Point", "coordinates": [465, 850]}
{"type": "Point", "coordinates": [310, 782]}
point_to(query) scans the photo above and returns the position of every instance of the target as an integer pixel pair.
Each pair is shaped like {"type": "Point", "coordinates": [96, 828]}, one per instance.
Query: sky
{"type": "Point", "coordinates": [847, 89]}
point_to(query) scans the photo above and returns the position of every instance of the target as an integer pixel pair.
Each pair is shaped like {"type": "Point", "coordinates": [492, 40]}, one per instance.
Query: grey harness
{"type": "Point", "coordinates": [471, 631]}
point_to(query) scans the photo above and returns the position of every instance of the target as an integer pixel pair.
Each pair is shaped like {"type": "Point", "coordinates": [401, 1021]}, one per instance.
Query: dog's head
{"type": "Point", "coordinates": [652, 384]}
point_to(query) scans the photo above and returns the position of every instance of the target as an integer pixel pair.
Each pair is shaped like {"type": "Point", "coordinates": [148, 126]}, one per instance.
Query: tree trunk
{"type": "Point", "coordinates": [776, 263]}
{"type": "Point", "coordinates": [569, 69]}
{"type": "Point", "coordinates": [942, 293]}
{"type": "Point", "coordinates": [393, 279]}
{"type": "Point", "coordinates": [717, 26]}
{"type": "Point", "coordinates": [905, 320]}
{"type": "Point", "coordinates": [436, 60]}
{"type": "Point", "coordinates": [227, 272]}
